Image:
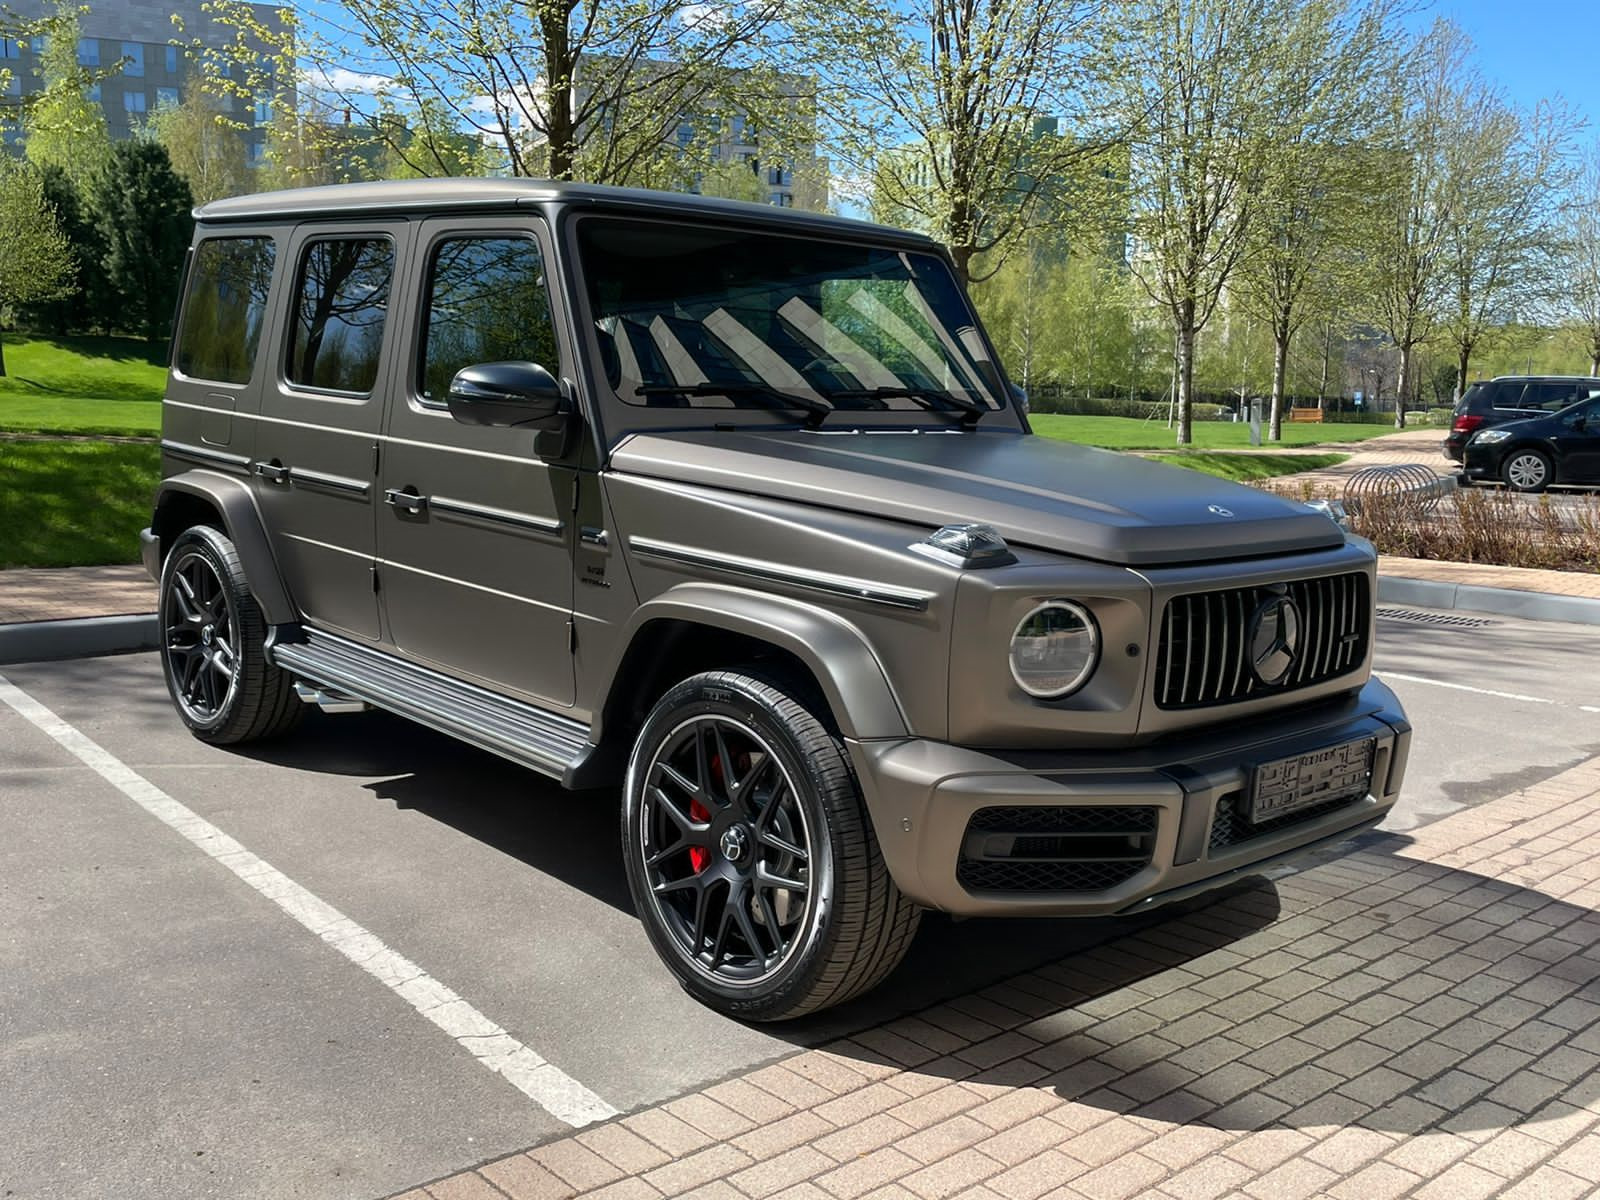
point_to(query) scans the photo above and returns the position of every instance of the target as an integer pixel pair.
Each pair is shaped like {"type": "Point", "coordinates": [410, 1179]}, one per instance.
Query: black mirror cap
{"type": "Point", "coordinates": [521, 395]}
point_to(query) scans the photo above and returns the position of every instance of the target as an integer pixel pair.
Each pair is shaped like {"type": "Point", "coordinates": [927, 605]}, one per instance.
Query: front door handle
{"type": "Point", "coordinates": [406, 498]}
{"type": "Point", "coordinates": [273, 472]}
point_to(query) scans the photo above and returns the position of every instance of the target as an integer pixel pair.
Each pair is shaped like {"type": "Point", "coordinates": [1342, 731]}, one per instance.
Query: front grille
{"type": "Point", "coordinates": [1055, 849]}
{"type": "Point", "coordinates": [1204, 653]}
{"type": "Point", "coordinates": [1231, 826]}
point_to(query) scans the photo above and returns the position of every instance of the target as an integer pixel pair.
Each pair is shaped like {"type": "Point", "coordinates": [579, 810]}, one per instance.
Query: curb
{"type": "Point", "coordinates": [41, 641]}
{"type": "Point", "coordinates": [1505, 602]}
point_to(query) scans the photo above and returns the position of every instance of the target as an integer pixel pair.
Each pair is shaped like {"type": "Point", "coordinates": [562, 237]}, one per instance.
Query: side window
{"type": "Point", "coordinates": [485, 302]}
{"type": "Point", "coordinates": [223, 312]}
{"type": "Point", "coordinates": [341, 301]}
{"type": "Point", "coordinates": [1549, 397]}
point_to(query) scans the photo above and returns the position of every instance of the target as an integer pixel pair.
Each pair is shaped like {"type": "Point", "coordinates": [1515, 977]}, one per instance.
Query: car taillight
{"type": "Point", "coordinates": [1466, 423]}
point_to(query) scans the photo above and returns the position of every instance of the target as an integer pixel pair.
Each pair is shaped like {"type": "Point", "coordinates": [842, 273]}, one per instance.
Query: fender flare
{"type": "Point", "coordinates": [241, 521]}
{"type": "Point", "coordinates": [852, 679]}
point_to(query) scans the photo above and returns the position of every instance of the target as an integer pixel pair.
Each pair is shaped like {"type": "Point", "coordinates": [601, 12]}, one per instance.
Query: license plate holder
{"type": "Point", "coordinates": [1288, 785]}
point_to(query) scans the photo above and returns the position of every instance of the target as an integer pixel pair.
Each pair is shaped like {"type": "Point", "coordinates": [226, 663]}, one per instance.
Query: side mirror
{"type": "Point", "coordinates": [521, 395]}
{"type": "Point", "coordinates": [1580, 424]}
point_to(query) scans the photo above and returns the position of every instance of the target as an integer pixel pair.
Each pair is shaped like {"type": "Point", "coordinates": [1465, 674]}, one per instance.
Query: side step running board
{"type": "Point", "coordinates": [544, 741]}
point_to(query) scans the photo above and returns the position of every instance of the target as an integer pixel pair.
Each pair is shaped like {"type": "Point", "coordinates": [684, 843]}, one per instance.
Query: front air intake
{"type": "Point", "coordinates": [1055, 849]}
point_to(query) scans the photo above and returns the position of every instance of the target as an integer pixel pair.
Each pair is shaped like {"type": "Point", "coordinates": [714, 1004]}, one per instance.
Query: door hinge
{"type": "Point", "coordinates": [572, 636]}
{"type": "Point", "coordinates": [576, 476]}
{"type": "Point", "coordinates": [377, 458]}
{"type": "Point", "coordinates": [374, 570]}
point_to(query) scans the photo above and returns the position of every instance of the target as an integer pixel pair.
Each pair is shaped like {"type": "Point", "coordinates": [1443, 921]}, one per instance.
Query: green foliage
{"type": "Point", "coordinates": [88, 302]}
{"type": "Point", "coordinates": [205, 145]}
{"type": "Point", "coordinates": [1244, 467]}
{"type": "Point", "coordinates": [141, 206]}
{"type": "Point", "coordinates": [63, 127]}
{"type": "Point", "coordinates": [74, 504]}
{"type": "Point", "coordinates": [35, 259]}
{"type": "Point", "coordinates": [1122, 433]}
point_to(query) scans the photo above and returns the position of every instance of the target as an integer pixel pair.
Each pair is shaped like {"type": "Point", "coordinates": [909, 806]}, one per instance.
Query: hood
{"type": "Point", "coordinates": [1097, 504]}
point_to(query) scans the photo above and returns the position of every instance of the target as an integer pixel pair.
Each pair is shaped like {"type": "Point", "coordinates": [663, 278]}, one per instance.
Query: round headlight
{"type": "Point", "coordinates": [1054, 650]}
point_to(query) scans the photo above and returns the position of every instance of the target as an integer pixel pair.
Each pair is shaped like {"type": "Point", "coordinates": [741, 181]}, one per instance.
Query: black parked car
{"type": "Point", "coordinates": [1492, 402]}
{"type": "Point", "coordinates": [1528, 456]}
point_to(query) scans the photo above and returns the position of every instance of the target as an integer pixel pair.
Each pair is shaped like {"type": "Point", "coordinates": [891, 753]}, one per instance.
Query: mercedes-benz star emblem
{"type": "Point", "coordinates": [1217, 510]}
{"type": "Point", "coordinates": [1274, 638]}
{"type": "Point", "coordinates": [734, 843]}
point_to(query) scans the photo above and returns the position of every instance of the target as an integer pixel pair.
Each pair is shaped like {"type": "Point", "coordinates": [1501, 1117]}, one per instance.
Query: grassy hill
{"type": "Point", "coordinates": [82, 385]}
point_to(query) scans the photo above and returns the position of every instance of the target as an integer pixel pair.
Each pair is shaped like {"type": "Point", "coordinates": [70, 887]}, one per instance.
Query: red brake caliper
{"type": "Point", "coordinates": [699, 856]}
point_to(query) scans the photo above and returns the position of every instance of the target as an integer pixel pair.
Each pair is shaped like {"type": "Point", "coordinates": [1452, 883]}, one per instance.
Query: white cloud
{"type": "Point", "coordinates": [347, 82]}
{"type": "Point", "coordinates": [713, 16]}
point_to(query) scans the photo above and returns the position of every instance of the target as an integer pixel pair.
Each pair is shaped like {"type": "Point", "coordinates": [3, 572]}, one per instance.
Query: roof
{"type": "Point", "coordinates": [470, 194]}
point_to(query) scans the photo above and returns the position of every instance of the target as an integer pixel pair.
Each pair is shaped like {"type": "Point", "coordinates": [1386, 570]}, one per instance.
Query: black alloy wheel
{"type": "Point", "coordinates": [727, 853]}
{"type": "Point", "coordinates": [213, 646]}
{"type": "Point", "coordinates": [749, 853]}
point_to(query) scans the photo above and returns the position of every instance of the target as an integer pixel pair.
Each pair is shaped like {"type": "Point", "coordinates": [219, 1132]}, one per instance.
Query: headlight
{"type": "Point", "coordinates": [1488, 437]}
{"type": "Point", "coordinates": [1055, 649]}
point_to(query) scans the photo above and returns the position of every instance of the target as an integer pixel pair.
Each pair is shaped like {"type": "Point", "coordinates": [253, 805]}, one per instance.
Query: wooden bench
{"type": "Point", "coordinates": [1314, 415]}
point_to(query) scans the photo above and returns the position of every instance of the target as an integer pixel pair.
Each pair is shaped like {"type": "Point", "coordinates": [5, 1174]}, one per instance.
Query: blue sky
{"type": "Point", "coordinates": [1535, 48]}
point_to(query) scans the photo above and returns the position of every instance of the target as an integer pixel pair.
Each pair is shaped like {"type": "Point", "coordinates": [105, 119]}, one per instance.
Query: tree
{"type": "Point", "coordinates": [205, 145]}
{"type": "Point", "coordinates": [63, 127]}
{"type": "Point", "coordinates": [1583, 243]}
{"type": "Point", "coordinates": [559, 88]}
{"type": "Point", "coordinates": [141, 206]}
{"type": "Point", "coordinates": [1313, 125]}
{"type": "Point", "coordinates": [1507, 173]}
{"type": "Point", "coordinates": [1200, 72]}
{"type": "Point", "coordinates": [35, 260]}
{"type": "Point", "coordinates": [954, 110]}
{"type": "Point", "coordinates": [88, 302]}
{"type": "Point", "coordinates": [1412, 196]}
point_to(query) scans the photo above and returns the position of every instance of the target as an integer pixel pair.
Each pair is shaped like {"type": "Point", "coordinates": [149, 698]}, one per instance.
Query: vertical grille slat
{"type": "Point", "coordinates": [1204, 655]}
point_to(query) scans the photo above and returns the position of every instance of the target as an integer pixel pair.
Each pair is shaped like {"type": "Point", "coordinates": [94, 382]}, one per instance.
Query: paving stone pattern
{"type": "Point", "coordinates": [1418, 1018]}
{"type": "Point", "coordinates": [66, 593]}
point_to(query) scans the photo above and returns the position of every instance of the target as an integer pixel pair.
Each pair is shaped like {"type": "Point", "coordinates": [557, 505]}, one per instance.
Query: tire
{"type": "Point", "coordinates": [703, 847]}
{"type": "Point", "coordinates": [212, 656]}
{"type": "Point", "coordinates": [1527, 470]}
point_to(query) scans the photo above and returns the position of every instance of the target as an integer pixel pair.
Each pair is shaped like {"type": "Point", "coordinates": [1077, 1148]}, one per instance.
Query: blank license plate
{"type": "Point", "coordinates": [1290, 784]}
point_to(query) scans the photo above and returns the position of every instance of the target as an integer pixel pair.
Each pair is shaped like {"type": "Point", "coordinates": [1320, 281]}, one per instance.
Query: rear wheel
{"type": "Point", "coordinates": [749, 853]}
{"type": "Point", "coordinates": [212, 646]}
{"type": "Point", "coordinates": [1527, 470]}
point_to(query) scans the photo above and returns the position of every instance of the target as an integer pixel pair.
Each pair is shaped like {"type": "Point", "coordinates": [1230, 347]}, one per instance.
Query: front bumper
{"type": "Point", "coordinates": [1482, 463]}
{"type": "Point", "coordinates": [923, 796]}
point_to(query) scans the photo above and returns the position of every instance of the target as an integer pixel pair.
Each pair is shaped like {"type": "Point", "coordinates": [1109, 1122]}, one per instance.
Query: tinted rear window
{"type": "Point", "coordinates": [341, 304]}
{"type": "Point", "coordinates": [1474, 393]}
{"type": "Point", "coordinates": [226, 304]}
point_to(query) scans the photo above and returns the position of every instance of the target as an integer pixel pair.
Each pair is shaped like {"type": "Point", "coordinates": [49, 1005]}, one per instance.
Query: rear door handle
{"type": "Point", "coordinates": [273, 472]}
{"type": "Point", "coordinates": [406, 498]}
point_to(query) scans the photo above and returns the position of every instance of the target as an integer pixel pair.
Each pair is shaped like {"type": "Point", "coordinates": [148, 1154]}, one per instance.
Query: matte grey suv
{"type": "Point", "coordinates": [733, 508]}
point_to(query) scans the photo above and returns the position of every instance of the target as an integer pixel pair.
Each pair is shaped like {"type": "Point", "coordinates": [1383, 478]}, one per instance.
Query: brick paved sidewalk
{"type": "Point", "coordinates": [1521, 579]}
{"type": "Point", "coordinates": [66, 593]}
{"type": "Point", "coordinates": [1418, 1018]}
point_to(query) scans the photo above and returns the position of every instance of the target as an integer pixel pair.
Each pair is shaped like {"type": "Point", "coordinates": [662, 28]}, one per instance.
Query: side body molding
{"type": "Point", "coordinates": [851, 678]}
{"type": "Point", "coordinates": [241, 521]}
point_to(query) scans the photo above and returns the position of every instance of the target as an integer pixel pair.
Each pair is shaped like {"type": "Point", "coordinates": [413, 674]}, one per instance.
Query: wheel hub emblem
{"type": "Point", "coordinates": [208, 635]}
{"type": "Point", "coordinates": [1274, 638]}
{"type": "Point", "coordinates": [735, 843]}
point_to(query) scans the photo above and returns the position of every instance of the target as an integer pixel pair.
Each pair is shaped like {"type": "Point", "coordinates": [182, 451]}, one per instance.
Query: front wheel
{"type": "Point", "coordinates": [1527, 470]}
{"type": "Point", "coordinates": [749, 853]}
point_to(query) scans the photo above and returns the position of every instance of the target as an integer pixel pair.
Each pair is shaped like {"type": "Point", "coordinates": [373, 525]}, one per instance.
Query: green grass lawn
{"type": "Point", "coordinates": [1127, 433]}
{"type": "Point", "coordinates": [74, 504]}
{"type": "Point", "coordinates": [81, 385]}
{"type": "Point", "coordinates": [1245, 467]}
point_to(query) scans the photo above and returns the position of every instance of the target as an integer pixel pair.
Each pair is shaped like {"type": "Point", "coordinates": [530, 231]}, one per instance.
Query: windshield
{"type": "Point", "coordinates": [691, 316]}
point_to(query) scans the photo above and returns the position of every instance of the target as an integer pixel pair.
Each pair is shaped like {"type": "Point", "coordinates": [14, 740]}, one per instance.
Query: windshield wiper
{"type": "Point", "coordinates": [968, 411]}
{"type": "Point", "coordinates": [816, 410]}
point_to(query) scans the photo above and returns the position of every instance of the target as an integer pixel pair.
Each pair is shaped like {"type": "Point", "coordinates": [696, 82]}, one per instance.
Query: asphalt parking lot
{"type": "Point", "coordinates": [176, 1018]}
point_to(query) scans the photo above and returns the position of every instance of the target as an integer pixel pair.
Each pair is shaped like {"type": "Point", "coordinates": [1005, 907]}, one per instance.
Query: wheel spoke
{"type": "Point", "coordinates": [768, 878]}
{"type": "Point", "coordinates": [747, 930]}
{"type": "Point", "coordinates": [189, 608]}
{"type": "Point", "coordinates": [702, 910]}
{"type": "Point", "coordinates": [677, 885]}
{"type": "Point", "coordinates": [769, 917]}
{"type": "Point", "coordinates": [694, 833]}
{"type": "Point", "coordinates": [783, 845]}
{"type": "Point", "coordinates": [724, 923]}
{"type": "Point", "coordinates": [679, 779]}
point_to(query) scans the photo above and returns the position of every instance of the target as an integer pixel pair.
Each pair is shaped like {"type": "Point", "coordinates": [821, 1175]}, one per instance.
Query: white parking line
{"type": "Point", "coordinates": [545, 1084]}
{"type": "Point", "coordinates": [1462, 687]}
